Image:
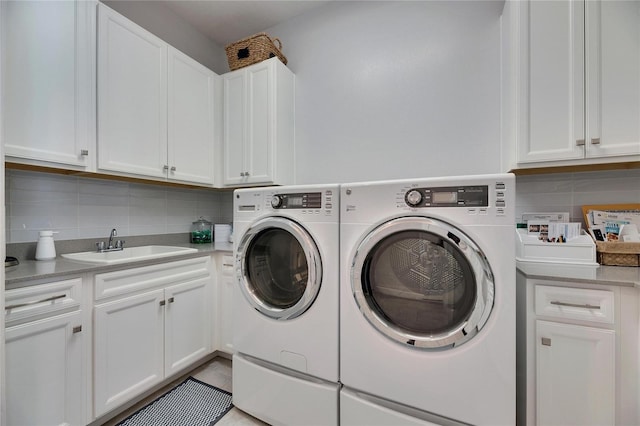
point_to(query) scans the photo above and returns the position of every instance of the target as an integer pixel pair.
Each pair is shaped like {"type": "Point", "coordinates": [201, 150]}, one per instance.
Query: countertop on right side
{"type": "Point", "coordinates": [626, 276]}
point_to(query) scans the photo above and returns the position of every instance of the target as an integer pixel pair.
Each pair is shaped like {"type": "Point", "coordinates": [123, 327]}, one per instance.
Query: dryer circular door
{"type": "Point", "coordinates": [281, 269]}
{"type": "Point", "coordinates": [423, 283]}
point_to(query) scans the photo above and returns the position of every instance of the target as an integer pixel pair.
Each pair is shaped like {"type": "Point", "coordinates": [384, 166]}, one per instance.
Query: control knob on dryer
{"type": "Point", "coordinates": [413, 197]}
{"type": "Point", "coordinates": [276, 201]}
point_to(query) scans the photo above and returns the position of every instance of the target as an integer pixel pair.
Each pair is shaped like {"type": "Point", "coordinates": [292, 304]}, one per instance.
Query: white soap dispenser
{"type": "Point", "coordinates": [46, 249]}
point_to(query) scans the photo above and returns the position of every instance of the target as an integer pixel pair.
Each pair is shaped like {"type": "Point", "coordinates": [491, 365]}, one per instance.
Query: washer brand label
{"type": "Point", "coordinates": [351, 207]}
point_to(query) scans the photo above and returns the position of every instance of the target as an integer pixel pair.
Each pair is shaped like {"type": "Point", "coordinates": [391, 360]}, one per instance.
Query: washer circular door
{"type": "Point", "coordinates": [422, 282]}
{"type": "Point", "coordinates": [281, 269]}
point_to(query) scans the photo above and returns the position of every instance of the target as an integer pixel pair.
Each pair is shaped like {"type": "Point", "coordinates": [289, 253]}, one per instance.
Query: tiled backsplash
{"type": "Point", "coordinates": [568, 192]}
{"type": "Point", "coordinates": [78, 207]}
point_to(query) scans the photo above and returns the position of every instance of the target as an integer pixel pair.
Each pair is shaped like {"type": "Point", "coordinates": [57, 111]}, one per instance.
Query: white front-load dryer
{"type": "Point", "coordinates": [285, 304]}
{"type": "Point", "coordinates": [427, 301]}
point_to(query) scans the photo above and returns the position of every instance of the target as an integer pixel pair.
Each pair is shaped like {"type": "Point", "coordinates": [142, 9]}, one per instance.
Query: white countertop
{"type": "Point", "coordinates": [627, 276]}
{"type": "Point", "coordinates": [33, 270]}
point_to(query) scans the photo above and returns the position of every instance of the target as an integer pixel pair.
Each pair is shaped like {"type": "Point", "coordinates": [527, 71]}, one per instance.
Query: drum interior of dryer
{"type": "Point", "coordinates": [419, 282]}
{"type": "Point", "coordinates": [422, 282]}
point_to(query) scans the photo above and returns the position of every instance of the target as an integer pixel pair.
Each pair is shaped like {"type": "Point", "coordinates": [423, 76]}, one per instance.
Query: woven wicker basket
{"type": "Point", "coordinates": [253, 49]}
{"type": "Point", "coordinates": [618, 254]}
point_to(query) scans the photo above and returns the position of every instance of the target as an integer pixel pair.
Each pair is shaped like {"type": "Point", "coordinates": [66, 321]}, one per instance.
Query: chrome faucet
{"type": "Point", "coordinates": [113, 234]}
{"type": "Point", "coordinates": [109, 246]}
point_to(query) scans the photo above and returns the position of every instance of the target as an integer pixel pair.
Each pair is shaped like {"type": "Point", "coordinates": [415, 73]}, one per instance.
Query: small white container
{"type": "Point", "coordinates": [46, 249]}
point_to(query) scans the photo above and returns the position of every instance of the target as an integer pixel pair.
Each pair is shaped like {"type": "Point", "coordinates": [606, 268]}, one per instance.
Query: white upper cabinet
{"type": "Point", "coordinates": [191, 125]}
{"type": "Point", "coordinates": [613, 76]}
{"type": "Point", "coordinates": [132, 97]}
{"type": "Point", "coordinates": [48, 58]}
{"type": "Point", "coordinates": [572, 82]}
{"type": "Point", "coordinates": [155, 106]}
{"type": "Point", "coordinates": [259, 125]}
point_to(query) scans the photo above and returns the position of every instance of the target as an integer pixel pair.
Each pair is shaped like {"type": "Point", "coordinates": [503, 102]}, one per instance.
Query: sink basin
{"type": "Point", "coordinates": [129, 254]}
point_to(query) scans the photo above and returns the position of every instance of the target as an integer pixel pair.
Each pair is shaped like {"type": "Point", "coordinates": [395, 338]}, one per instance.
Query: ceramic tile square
{"type": "Point", "coordinates": [112, 217]}
{"type": "Point", "coordinates": [182, 195]}
{"type": "Point", "coordinates": [147, 229]}
{"type": "Point", "coordinates": [606, 197]}
{"type": "Point", "coordinates": [31, 181]}
{"type": "Point", "coordinates": [608, 182]}
{"type": "Point", "coordinates": [179, 229]}
{"type": "Point", "coordinates": [182, 211]}
{"type": "Point", "coordinates": [103, 200]}
{"type": "Point", "coordinates": [147, 191]}
{"type": "Point", "coordinates": [543, 184]}
{"type": "Point", "coordinates": [103, 188]}
{"type": "Point", "coordinates": [102, 232]}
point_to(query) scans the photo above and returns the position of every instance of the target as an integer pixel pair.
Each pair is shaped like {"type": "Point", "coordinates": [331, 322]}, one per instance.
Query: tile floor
{"type": "Point", "coordinates": [216, 373]}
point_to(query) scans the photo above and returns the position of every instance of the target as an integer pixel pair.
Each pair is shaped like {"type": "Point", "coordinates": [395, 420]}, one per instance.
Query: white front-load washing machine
{"type": "Point", "coordinates": [285, 304]}
{"type": "Point", "coordinates": [427, 301]}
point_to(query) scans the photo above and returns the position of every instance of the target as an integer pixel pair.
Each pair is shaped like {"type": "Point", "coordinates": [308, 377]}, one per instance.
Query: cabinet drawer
{"type": "Point", "coordinates": [42, 300]}
{"type": "Point", "coordinates": [575, 304]}
{"type": "Point", "coordinates": [129, 281]}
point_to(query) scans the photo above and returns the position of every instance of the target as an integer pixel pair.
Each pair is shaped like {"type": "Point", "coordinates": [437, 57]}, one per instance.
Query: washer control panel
{"type": "Point", "coordinates": [303, 200]}
{"type": "Point", "coordinates": [448, 196]}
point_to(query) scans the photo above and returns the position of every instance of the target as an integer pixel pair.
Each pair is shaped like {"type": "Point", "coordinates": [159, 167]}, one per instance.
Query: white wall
{"type": "Point", "coordinates": [158, 19]}
{"type": "Point", "coordinates": [395, 89]}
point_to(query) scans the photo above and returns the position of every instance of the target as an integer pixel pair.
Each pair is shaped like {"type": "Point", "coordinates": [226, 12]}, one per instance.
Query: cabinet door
{"type": "Point", "coordinates": [575, 374]}
{"type": "Point", "coordinates": [234, 127]}
{"type": "Point", "coordinates": [44, 368]}
{"type": "Point", "coordinates": [132, 97]}
{"type": "Point", "coordinates": [613, 55]}
{"type": "Point", "coordinates": [48, 81]}
{"type": "Point", "coordinates": [260, 136]}
{"type": "Point", "coordinates": [551, 89]}
{"type": "Point", "coordinates": [188, 323]}
{"type": "Point", "coordinates": [128, 348]}
{"type": "Point", "coordinates": [190, 119]}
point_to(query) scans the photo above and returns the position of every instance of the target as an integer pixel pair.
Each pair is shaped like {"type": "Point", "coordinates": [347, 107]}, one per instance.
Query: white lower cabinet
{"type": "Point", "coordinates": [149, 323]}
{"type": "Point", "coordinates": [577, 352]}
{"type": "Point", "coordinates": [575, 368]}
{"type": "Point", "coordinates": [45, 366]}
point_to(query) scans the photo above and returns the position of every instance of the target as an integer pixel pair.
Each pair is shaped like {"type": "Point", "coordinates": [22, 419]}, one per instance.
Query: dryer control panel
{"type": "Point", "coordinates": [303, 200]}
{"type": "Point", "coordinates": [448, 196]}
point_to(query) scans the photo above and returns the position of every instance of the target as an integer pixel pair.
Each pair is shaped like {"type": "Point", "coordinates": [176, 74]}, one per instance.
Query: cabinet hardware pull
{"type": "Point", "coordinates": [171, 300]}
{"type": "Point", "coordinates": [580, 142]}
{"type": "Point", "coordinates": [165, 167]}
{"type": "Point", "coordinates": [227, 264]}
{"type": "Point", "coordinates": [595, 141]}
{"type": "Point", "coordinates": [242, 174]}
{"type": "Point", "coordinates": [246, 174]}
{"type": "Point", "coordinates": [546, 341]}
{"type": "Point", "coordinates": [575, 305]}
{"type": "Point", "coordinates": [173, 168]}
{"type": "Point", "coordinates": [35, 302]}
{"type": "Point", "coordinates": [77, 329]}
{"type": "Point", "coordinates": [162, 302]}
{"type": "Point", "coordinates": [84, 152]}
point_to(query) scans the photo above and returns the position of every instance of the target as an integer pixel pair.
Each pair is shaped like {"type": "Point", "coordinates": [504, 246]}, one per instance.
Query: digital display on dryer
{"type": "Point", "coordinates": [450, 196]}
{"type": "Point", "coordinates": [307, 200]}
{"type": "Point", "coordinates": [444, 197]}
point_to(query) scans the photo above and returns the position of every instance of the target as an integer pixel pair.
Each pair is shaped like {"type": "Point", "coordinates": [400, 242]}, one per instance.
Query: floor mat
{"type": "Point", "coordinates": [191, 403]}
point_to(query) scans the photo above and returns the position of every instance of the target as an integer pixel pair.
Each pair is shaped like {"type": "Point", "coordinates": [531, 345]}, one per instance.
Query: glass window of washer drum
{"type": "Point", "coordinates": [276, 268]}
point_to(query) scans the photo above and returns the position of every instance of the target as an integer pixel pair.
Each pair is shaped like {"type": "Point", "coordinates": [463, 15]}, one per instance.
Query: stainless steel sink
{"type": "Point", "coordinates": [128, 254]}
